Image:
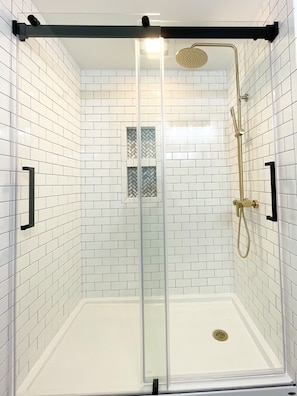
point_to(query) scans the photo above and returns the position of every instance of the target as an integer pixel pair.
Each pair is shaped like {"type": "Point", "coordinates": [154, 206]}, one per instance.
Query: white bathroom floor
{"type": "Point", "coordinates": [99, 351]}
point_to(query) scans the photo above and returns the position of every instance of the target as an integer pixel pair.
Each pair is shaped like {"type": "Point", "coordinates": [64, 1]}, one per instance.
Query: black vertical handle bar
{"type": "Point", "coordinates": [31, 197]}
{"type": "Point", "coordinates": [273, 191]}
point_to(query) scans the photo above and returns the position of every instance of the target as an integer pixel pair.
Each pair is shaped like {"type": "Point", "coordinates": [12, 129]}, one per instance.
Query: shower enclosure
{"type": "Point", "coordinates": [130, 281]}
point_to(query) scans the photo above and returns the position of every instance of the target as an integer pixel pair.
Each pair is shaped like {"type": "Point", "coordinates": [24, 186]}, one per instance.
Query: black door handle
{"type": "Point", "coordinates": [31, 197]}
{"type": "Point", "coordinates": [273, 191]}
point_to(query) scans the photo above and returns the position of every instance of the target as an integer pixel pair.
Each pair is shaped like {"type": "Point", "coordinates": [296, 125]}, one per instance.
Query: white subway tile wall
{"type": "Point", "coordinates": [284, 95]}
{"type": "Point", "coordinates": [48, 270]}
{"type": "Point", "coordinates": [7, 210]}
{"type": "Point", "coordinates": [197, 183]}
{"type": "Point", "coordinates": [199, 228]}
{"type": "Point", "coordinates": [110, 216]}
{"type": "Point", "coordinates": [258, 277]}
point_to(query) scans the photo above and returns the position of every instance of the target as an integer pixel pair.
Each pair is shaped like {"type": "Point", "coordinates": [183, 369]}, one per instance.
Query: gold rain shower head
{"type": "Point", "coordinates": [191, 58]}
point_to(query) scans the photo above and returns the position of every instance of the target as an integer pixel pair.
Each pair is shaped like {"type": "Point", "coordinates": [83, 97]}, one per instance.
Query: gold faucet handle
{"type": "Point", "coordinates": [238, 204]}
{"type": "Point", "coordinates": [246, 203]}
{"type": "Point", "coordinates": [255, 203]}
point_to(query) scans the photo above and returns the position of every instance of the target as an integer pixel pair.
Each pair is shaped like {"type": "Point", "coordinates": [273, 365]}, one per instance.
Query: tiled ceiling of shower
{"type": "Point", "coordinates": [108, 54]}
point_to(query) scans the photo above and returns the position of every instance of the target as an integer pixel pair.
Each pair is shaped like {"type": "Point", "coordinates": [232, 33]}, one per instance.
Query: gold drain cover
{"type": "Point", "coordinates": [220, 335]}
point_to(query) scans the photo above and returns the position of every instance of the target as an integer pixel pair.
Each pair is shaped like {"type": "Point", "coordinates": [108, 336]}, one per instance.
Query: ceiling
{"type": "Point", "coordinates": [119, 53]}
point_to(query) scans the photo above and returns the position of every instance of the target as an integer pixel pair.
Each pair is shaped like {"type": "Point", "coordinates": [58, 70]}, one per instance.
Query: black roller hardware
{"type": "Point", "coordinates": [145, 21]}
{"type": "Point", "coordinates": [33, 20]}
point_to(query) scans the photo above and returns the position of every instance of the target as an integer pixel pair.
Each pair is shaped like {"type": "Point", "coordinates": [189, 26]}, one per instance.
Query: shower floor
{"type": "Point", "coordinates": [98, 350]}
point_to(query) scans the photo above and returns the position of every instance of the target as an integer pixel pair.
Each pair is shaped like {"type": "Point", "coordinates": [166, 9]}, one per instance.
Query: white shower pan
{"type": "Point", "coordinates": [98, 350]}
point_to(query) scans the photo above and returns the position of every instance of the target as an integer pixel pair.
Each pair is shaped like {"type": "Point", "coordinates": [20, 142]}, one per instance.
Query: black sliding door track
{"type": "Point", "coordinates": [24, 31]}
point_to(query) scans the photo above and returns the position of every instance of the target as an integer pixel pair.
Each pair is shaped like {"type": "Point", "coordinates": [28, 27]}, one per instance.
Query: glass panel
{"type": "Point", "coordinates": [79, 307]}
{"type": "Point", "coordinates": [220, 304]}
{"type": "Point", "coordinates": [151, 194]}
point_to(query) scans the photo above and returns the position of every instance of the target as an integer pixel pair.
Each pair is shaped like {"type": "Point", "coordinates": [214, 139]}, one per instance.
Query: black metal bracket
{"type": "Point", "coordinates": [155, 390]}
{"type": "Point", "coordinates": [24, 31]}
{"type": "Point", "coordinates": [31, 198]}
{"type": "Point", "coordinates": [273, 191]}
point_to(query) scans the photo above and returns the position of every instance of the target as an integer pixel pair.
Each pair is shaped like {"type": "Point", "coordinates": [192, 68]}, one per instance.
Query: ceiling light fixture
{"type": "Point", "coordinates": [152, 46]}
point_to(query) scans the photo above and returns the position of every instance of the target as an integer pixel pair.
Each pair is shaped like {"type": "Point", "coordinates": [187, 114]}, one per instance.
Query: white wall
{"type": "Point", "coordinates": [7, 95]}
{"type": "Point", "coordinates": [257, 278]}
{"type": "Point", "coordinates": [109, 218]}
{"type": "Point", "coordinates": [48, 257]}
{"type": "Point", "coordinates": [48, 137]}
{"type": "Point", "coordinates": [285, 83]}
{"type": "Point", "coordinates": [199, 229]}
{"type": "Point", "coordinates": [197, 184]}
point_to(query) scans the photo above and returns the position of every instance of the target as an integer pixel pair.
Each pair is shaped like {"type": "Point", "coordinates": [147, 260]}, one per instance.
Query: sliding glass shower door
{"type": "Point", "coordinates": [151, 200]}
{"type": "Point", "coordinates": [90, 289]}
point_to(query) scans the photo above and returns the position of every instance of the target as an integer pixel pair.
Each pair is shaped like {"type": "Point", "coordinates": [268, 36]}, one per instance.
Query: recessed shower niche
{"type": "Point", "coordinates": [133, 261]}
{"type": "Point", "coordinates": [148, 152]}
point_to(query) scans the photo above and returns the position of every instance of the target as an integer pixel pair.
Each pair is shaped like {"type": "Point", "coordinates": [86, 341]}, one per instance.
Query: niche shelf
{"type": "Point", "coordinates": [148, 157]}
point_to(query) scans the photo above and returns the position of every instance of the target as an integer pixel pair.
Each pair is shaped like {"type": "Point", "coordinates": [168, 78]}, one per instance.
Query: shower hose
{"type": "Point", "coordinates": [238, 134]}
{"type": "Point", "coordinates": [242, 217]}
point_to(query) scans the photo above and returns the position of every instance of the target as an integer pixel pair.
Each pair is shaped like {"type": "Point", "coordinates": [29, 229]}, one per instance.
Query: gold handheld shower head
{"type": "Point", "coordinates": [191, 58]}
{"type": "Point", "coordinates": [236, 129]}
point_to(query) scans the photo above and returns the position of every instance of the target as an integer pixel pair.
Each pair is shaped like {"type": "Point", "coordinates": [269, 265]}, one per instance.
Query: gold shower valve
{"type": "Point", "coordinates": [238, 204]}
{"type": "Point", "coordinates": [245, 203]}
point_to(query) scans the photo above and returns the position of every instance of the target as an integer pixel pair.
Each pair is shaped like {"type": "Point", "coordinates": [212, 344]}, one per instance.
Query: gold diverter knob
{"type": "Point", "coordinates": [245, 203]}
